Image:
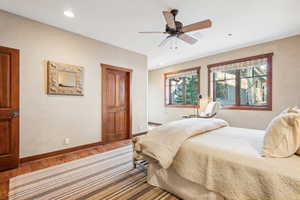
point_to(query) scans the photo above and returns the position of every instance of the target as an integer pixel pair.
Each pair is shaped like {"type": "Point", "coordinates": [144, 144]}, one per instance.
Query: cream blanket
{"type": "Point", "coordinates": [228, 161]}
{"type": "Point", "coordinates": [163, 143]}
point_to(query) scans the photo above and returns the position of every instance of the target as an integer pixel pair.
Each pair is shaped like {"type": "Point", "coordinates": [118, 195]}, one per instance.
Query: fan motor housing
{"type": "Point", "coordinates": [171, 31]}
{"type": "Point", "coordinates": [174, 12]}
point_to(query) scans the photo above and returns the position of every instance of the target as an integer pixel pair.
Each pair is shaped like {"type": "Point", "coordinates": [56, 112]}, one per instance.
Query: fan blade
{"type": "Point", "coordinates": [143, 32]}
{"type": "Point", "coordinates": [164, 42]}
{"type": "Point", "coordinates": [186, 38]}
{"type": "Point", "coordinates": [169, 17]}
{"type": "Point", "coordinates": [196, 26]}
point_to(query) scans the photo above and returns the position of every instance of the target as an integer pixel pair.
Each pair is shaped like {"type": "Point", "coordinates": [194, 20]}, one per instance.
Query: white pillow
{"type": "Point", "coordinates": [282, 137]}
{"type": "Point", "coordinates": [298, 151]}
{"type": "Point", "coordinates": [295, 110]}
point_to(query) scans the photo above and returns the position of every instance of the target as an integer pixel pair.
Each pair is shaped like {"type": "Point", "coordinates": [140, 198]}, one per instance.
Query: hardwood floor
{"type": "Point", "coordinates": [51, 161]}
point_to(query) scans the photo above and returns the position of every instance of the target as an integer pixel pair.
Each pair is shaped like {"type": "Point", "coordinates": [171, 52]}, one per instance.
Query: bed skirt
{"type": "Point", "coordinates": [170, 181]}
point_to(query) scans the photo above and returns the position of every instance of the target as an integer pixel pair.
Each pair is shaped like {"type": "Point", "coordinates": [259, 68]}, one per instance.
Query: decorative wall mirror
{"type": "Point", "coordinates": [64, 79]}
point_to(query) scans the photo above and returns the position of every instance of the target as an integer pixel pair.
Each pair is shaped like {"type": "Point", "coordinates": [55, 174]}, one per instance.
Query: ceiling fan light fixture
{"type": "Point", "coordinates": [173, 44]}
{"type": "Point", "coordinates": [176, 30]}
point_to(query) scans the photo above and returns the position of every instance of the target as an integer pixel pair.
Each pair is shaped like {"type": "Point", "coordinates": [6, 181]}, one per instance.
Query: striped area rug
{"type": "Point", "coordinates": [106, 176]}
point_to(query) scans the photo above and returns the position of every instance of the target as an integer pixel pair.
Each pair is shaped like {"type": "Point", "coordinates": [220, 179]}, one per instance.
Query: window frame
{"type": "Point", "coordinates": [165, 87]}
{"type": "Point", "coordinates": [237, 105]}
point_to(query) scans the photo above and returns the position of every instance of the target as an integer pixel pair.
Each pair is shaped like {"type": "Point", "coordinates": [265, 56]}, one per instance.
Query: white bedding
{"type": "Point", "coordinates": [228, 161]}
{"type": "Point", "coordinates": [225, 160]}
{"type": "Point", "coordinates": [169, 180]}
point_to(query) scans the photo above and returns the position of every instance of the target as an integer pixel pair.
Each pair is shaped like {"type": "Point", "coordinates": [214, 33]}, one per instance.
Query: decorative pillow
{"type": "Point", "coordinates": [282, 137]}
{"type": "Point", "coordinates": [296, 110]}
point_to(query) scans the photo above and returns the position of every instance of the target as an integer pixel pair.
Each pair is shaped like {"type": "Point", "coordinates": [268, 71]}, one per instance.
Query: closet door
{"type": "Point", "coordinates": [116, 104]}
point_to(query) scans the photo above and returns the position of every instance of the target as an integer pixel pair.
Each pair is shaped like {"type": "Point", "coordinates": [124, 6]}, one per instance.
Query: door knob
{"type": "Point", "coordinates": [14, 114]}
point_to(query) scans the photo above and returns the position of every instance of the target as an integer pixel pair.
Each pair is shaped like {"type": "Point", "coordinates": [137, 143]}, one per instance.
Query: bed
{"type": "Point", "coordinates": [217, 163]}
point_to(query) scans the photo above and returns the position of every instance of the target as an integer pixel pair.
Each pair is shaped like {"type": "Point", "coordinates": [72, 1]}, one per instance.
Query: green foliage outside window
{"type": "Point", "coordinates": [251, 83]}
{"type": "Point", "coordinates": [184, 90]}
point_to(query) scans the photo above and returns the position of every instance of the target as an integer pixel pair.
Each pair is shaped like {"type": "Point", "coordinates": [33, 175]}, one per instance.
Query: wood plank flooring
{"type": "Point", "coordinates": [51, 161]}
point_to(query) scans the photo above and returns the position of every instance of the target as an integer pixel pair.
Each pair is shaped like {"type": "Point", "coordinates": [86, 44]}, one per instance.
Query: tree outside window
{"type": "Point", "coordinates": [182, 88]}
{"type": "Point", "coordinates": [243, 84]}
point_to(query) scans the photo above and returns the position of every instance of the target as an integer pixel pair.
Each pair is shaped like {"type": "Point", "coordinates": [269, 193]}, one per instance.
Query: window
{"type": "Point", "coordinates": [242, 84]}
{"type": "Point", "coordinates": [182, 88]}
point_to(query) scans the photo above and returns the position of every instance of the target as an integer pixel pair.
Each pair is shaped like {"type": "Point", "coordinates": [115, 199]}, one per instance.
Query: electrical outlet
{"type": "Point", "coordinates": [67, 141]}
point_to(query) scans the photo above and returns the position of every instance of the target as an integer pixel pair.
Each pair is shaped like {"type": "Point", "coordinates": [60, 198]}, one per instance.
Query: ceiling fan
{"type": "Point", "coordinates": [176, 29]}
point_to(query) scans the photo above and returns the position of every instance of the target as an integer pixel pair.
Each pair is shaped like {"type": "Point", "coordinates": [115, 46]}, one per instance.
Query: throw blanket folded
{"type": "Point", "coordinates": [163, 143]}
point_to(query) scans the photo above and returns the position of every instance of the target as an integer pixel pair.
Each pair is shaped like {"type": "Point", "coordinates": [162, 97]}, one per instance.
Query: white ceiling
{"type": "Point", "coordinates": [118, 22]}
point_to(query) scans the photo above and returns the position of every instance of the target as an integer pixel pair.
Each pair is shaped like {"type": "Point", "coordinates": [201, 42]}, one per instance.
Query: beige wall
{"type": "Point", "coordinates": [47, 120]}
{"type": "Point", "coordinates": [286, 84]}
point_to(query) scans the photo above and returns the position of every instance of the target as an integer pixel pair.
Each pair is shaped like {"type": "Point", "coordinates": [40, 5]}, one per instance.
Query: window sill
{"type": "Point", "coordinates": [181, 106]}
{"type": "Point", "coordinates": [265, 108]}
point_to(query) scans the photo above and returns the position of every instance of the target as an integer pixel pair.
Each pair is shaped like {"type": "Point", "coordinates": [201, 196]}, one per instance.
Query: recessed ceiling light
{"type": "Point", "coordinates": [69, 13]}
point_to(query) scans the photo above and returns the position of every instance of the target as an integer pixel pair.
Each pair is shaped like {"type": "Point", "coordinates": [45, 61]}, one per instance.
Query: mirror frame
{"type": "Point", "coordinates": [53, 88]}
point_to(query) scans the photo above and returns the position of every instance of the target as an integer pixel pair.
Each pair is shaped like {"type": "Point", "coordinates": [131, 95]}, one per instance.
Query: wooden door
{"type": "Point", "coordinates": [9, 108]}
{"type": "Point", "coordinates": [116, 109]}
